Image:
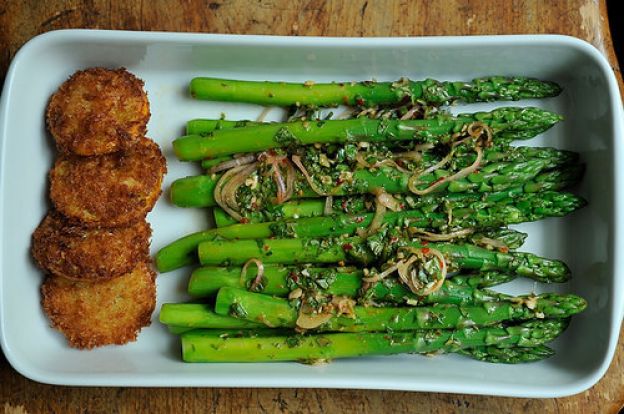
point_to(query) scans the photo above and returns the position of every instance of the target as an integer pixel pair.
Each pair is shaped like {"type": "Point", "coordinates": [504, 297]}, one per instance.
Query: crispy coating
{"type": "Point", "coordinates": [110, 190]}
{"type": "Point", "coordinates": [98, 111]}
{"type": "Point", "coordinates": [103, 313]}
{"type": "Point", "coordinates": [80, 253]}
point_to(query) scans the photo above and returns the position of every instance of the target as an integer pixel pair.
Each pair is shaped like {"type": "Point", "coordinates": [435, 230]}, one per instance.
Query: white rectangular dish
{"type": "Point", "coordinates": [589, 240]}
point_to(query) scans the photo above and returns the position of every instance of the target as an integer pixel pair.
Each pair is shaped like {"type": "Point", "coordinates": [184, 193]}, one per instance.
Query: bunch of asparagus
{"type": "Point", "coordinates": [377, 234]}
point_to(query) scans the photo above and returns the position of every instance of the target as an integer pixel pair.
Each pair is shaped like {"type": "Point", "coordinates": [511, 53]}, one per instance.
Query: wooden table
{"type": "Point", "coordinates": [21, 20]}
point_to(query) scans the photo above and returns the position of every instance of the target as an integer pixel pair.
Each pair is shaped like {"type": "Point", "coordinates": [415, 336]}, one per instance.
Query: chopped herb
{"type": "Point", "coordinates": [237, 311]}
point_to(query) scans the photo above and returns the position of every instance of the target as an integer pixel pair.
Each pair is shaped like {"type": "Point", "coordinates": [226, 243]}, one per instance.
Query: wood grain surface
{"type": "Point", "coordinates": [21, 20]}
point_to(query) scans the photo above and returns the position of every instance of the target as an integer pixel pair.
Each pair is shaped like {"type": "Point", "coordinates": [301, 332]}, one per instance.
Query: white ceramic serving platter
{"type": "Point", "coordinates": [589, 240]}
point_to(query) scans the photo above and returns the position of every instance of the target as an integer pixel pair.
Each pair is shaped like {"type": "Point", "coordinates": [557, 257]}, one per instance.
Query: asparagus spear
{"type": "Point", "coordinates": [493, 354]}
{"type": "Point", "coordinates": [198, 315]}
{"type": "Point", "coordinates": [280, 313]}
{"type": "Point", "coordinates": [529, 176]}
{"type": "Point", "coordinates": [358, 250]}
{"type": "Point", "coordinates": [466, 212]}
{"type": "Point", "coordinates": [213, 162]}
{"type": "Point", "coordinates": [207, 126]}
{"type": "Point", "coordinates": [291, 209]}
{"type": "Point", "coordinates": [216, 346]}
{"type": "Point", "coordinates": [509, 238]}
{"type": "Point", "coordinates": [506, 123]}
{"type": "Point", "coordinates": [515, 355]}
{"type": "Point", "coordinates": [206, 281]}
{"type": "Point", "coordinates": [178, 330]}
{"type": "Point", "coordinates": [482, 280]}
{"type": "Point", "coordinates": [371, 93]}
{"type": "Point", "coordinates": [493, 161]}
{"type": "Point", "coordinates": [357, 205]}
{"type": "Point", "coordinates": [458, 215]}
{"type": "Point", "coordinates": [280, 281]}
{"type": "Point", "coordinates": [495, 153]}
{"type": "Point", "coordinates": [194, 191]}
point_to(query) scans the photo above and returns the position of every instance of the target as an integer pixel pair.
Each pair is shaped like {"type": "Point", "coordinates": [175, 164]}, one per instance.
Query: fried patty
{"type": "Point", "coordinates": [80, 253]}
{"type": "Point", "coordinates": [109, 190]}
{"type": "Point", "coordinates": [98, 111]}
{"type": "Point", "coordinates": [104, 313]}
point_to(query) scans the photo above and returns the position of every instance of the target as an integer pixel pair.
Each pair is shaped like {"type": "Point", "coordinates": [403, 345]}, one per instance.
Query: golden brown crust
{"type": "Point", "coordinates": [98, 111]}
{"type": "Point", "coordinates": [103, 313]}
{"type": "Point", "coordinates": [80, 253]}
{"type": "Point", "coordinates": [110, 190]}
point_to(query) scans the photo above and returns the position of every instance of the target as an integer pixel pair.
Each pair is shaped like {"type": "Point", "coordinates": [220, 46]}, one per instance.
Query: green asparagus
{"type": "Point", "coordinates": [506, 123]}
{"type": "Point", "coordinates": [494, 153]}
{"type": "Point", "coordinates": [371, 93]}
{"type": "Point", "coordinates": [362, 251]}
{"type": "Point", "coordinates": [529, 176]}
{"type": "Point", "coordinates": [281, 281]}
{"type": "Point", "coordinates": [280, 313]}
{"type": "Point", "coordinates": [428, 199]}
{"type": "Point", "coordinates": [207, 126]}
{"type": "Point", "coordinates": [515, 355]}
{"type": "Point", "coordinates": [492, 354]}
{"type": "Point", "coordinates": [178, 330]}
{"type": "Point", "coordinates": [218, 346]}
{"type": "Point", "coordinates": [494, 161]}
{"type": "Point", "coordinates": [467, 211]}
{"type": "Point", "coordinates": [482, 280]}
{"type": "Point", "coordinates": [501, 238]}
{"type": "Point", "coordinates": [198, 315]}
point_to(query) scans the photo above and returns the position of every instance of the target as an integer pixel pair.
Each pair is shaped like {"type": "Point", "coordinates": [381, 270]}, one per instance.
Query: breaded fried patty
{"type": "Point", "coordinates": [79, 253]}
{"type": "Point", "coordinates": [103, 313]}
{"type": "Point", "coordinates": [109, 190]}
{"type": "Point", "coordinates": [98, 111]}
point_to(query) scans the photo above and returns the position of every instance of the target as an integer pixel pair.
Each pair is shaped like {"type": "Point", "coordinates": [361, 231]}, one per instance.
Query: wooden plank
{"type": "Point", "coordinates": [21, 20]}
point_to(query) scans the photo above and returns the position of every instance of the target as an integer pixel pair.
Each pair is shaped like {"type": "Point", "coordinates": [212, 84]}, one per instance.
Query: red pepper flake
{"type": "Point", "coordinates": [424, 242]}
{"type": "Point", "coordinates": [503, 249]}
{"type": "Point", "coordinates": [441, 263]}
{"type": "Point", "coordinates": [244, 220]}
{"type": "Point", "coordinates": [344, 205]}
{"type": "Point", "coordinates": [402, 206]}
{"type": "Point", "coordinates": [360, 101]}
{"type": "Point", "coordinates": [425, 250]}
{"type": "Point", "coordinates": [339, 181]}
{"type": "Point", "coordinates": [294, 277]}
{"type": "Point", "coordinates": [394, 239]}
{"type": "Point", "coordinates": [271, 152]}
{"type": "Point", "coordinates": [358, 219]}
{"type": "Point", "coordinates": [347, 246]}
{"type": "Point", "coordinates": [436, 182]}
